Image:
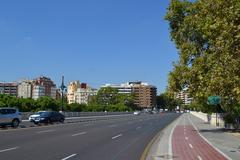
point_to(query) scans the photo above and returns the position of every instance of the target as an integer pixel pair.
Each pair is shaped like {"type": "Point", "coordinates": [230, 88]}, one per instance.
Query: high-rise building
{"type": "Point", "coordinates": [144, 94]}
{"type": "Point", "coordinates": [9, 88]}
{"type": "Point", "coordinates": [79, 93]}
{"type": "Point", "coordinates": [184, 96]}
{"type": "Point", "coordinates": [83, 95]}
{"type": "Point", "coordinates": [25, 89]}
{"type": "Point", "coordinates": [71, 90]}
{"type": "Point", "coordinates": [43, 86]}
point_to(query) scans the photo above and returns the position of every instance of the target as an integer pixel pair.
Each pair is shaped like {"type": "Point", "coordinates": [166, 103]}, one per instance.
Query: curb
{"type": "Point", "coordinates": [154, 139]}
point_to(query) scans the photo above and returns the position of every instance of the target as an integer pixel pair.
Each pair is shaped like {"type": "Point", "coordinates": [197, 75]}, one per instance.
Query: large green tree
{"type": "Point", "coordinates": [207, 35]}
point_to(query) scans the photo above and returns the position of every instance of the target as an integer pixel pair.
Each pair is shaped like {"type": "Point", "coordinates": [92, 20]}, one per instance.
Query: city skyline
{"type": "Point", "coordinates": [94, 42]}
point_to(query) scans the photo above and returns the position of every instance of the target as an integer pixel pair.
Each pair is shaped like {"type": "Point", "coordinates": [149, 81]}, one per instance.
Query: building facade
{"type": "Point", "coordinates": [25, 89]}
{"type": "Point", "coordinates": [184, 96]}
{"type": "Point", "coordinates": [9, 88]}
{"type": "Point", "coordinates": [83, 95]}
{"type": "Point", "coordinates": [144, 94]}
{"type": "Point", "coordinates": [43, 86]}
{"type": "Point", "coordinates": [79, 93]}
{"type": "Point", "coordinates": [71, 90]}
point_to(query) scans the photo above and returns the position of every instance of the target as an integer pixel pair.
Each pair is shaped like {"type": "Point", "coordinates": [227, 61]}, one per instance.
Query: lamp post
{"type": "Point", "coordinates": [62, 89]}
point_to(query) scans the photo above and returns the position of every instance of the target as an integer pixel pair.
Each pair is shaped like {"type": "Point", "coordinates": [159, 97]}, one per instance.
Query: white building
{"type": "Point", "coordinates": [79, 93]}
{"type": "Point", "coordinates": [38, 91]}
{"type": "Point", "coordinates": [71, 90]}
{"type": "Point", "coordinates": [83, 95]}
{"type": "Point", "coordinates": [184, 96]}
{"type": "Point", "coordinates": [43, 86]}
{"type": "Point", "coordinates": [25, 89]}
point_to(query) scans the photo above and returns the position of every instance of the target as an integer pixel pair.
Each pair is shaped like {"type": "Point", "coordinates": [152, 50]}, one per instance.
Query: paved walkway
{"type": "Point", "coordinates": [189, 138]}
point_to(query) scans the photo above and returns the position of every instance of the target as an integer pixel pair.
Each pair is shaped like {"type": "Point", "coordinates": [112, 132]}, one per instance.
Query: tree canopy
{"type": "Point", "coordinates": [207, 36]}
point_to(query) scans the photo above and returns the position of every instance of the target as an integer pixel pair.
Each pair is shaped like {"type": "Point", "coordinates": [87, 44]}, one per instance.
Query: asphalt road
{"type": "Point", "coordinates": [122, 138]}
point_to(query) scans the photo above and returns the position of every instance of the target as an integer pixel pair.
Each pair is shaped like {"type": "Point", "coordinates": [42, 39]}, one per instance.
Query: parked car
{"type": "Point", "coordinates": [10, 116]}
{"type": "Point", "coordinates": [47, 117]}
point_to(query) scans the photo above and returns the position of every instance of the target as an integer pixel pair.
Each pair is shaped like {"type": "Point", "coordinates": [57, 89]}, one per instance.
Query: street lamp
{"type": "Point", "coordinates": [62, 87]}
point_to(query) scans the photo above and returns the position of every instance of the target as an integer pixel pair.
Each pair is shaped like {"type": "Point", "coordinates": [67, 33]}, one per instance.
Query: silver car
{"type": "Point", "coordinates": [10, 116]}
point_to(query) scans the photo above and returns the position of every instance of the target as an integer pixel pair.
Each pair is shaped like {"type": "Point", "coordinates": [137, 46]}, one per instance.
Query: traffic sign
{"type": "Point", "coordinates": [214, 100]}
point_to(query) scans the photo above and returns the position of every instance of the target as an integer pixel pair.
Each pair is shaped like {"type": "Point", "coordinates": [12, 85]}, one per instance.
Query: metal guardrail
{"type": "Point", "coordinates": [25, 115]}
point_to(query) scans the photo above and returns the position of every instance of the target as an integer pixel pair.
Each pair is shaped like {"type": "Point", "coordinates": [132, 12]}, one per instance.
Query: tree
{"type": "Point", "coordinates": [47, 103]}
{"type": "Point", "coordinates": [107, 96]}
{"type": "Point", "coordinates": [207, 35]}
{"type": "Point", "coordinates": [165, 101]}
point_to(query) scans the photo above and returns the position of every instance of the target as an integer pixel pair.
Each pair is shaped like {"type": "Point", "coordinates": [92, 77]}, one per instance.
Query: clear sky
{"type": "Point", "coordinates": [94, 41]}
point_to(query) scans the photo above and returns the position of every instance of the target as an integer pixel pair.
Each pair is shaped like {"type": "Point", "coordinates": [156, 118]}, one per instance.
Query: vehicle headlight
{"type": "Point", "coordinates": [42, 118]}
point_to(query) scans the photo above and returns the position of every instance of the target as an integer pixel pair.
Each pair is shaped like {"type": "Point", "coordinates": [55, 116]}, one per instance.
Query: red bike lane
{"type": "Point", "coordinates": [187, 144]}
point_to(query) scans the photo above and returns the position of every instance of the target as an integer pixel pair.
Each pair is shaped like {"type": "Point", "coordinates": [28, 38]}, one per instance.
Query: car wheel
{"type": "Point", "coordinates": [15, 123]}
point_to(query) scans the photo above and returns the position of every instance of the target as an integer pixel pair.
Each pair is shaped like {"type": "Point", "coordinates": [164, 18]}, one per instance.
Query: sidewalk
{"type": "Point", "coordinates": [189, 138]}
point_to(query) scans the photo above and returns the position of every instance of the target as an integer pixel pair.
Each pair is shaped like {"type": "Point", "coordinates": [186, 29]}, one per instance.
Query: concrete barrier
{"type": "Point", "coordinates": [211, 119]}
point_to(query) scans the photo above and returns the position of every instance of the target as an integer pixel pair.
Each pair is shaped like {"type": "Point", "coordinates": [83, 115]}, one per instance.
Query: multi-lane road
{"type": "Point", "coordinates": [121, 138]}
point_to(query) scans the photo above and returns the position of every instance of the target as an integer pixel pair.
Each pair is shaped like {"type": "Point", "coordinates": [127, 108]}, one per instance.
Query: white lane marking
{"type": "Point", "coordinates": [77, 134]}
{"type": "Point", "coordinates": [117, 136]}
{"type": "Point", "coordinates": [138, 127]}
{"type": "Point", "coordinates": [88, 124]}
{"type": "Point", "coordinates": [8, 149]}
{"type": "Point", "coordinates": [190, 145]}
{"type": "Point", "coordinates": [111, 126]}
{"type": "Point", "coordinates": [207, 140]}
{"type": "Point", "coordinates": [199, 158]}
{"type": "Point", "coordinates": [186, 138]}
{"type": "Point", "coordinates": [69, 156]}
{"type": "Point", "coordinates": [46, 131]}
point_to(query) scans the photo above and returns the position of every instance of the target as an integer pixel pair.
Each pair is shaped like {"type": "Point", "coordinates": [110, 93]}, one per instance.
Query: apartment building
{"type": "Point", "coordinates": [43, 86]}
{"type": "Point", "coordinates": [71, 90]}
{"type": "Point", "coordinates": [25, 89]}
{"type": "Point", "coordinates": [79, 92]}
{"type": "Point", "coordinates": [184, 96]}
{"type": "Point", "coordinates": [83, 95]}
{"type": "Point", "coordinates": [145, 94]}
{"type": "Point", "coordinates": [9, 88]}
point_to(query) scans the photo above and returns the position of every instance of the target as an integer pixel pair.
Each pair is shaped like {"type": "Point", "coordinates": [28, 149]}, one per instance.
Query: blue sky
{"type": "Point", "coordinates": [97, 42]}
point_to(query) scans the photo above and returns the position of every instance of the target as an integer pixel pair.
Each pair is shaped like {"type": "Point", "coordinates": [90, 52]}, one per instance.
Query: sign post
{"type": "Point", "coordinates": [215, 100]}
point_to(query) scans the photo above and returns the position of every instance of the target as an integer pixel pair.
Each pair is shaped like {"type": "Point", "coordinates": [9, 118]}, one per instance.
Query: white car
{"type": "Point", "coordinates": [35, 115]}
{"type": "Point", "coordinates": [136, 112]}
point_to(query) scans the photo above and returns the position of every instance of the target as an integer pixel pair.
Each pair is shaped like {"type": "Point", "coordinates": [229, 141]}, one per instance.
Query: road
{"type": "Point", "coordinates": [113, 139]}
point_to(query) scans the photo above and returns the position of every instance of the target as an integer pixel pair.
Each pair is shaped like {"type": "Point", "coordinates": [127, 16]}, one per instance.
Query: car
{"type": "Point", "coordinates": [10, 116]}
{"type": "Point", "coordinates": [47, 117]}
{"type": "Point", "coordinates": [33, 116]}
{"type": "Point", "coordinates": [136, 112]}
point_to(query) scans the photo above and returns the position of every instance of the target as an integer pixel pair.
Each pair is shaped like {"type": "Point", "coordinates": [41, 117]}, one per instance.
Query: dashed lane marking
{"type": "Point", "coordinates": [46, 131]}
{"type": "Point", "coordinates": [8, 149]}
{"type": "Point", "coordinates": [69, 156]}
{"type": "Point", "coordinates": [190, 145]}
{"type": "Point", "coordinates": [77, 134]}
{"type": "Point", "coordinates": [117, 136]}
{"type": "Point", "coordinates": [199, 157]}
